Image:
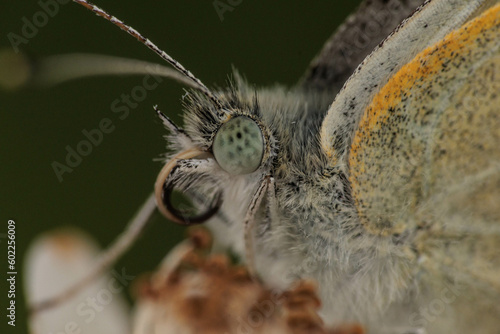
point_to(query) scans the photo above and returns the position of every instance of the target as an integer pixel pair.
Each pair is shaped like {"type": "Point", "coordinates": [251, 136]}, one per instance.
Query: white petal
{"type": "Point", "coordinates": [54, 263]}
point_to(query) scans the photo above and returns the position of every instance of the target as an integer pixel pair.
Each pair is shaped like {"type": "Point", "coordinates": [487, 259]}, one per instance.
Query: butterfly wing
{"type": "Point", "coordinates": [424, 166]}
{"type": "Point", "coordinates": [353, 41]}
{"type": "Point", "coordinates": [430, 23]}
{"type": "Point", "coordinates": [436, 121]}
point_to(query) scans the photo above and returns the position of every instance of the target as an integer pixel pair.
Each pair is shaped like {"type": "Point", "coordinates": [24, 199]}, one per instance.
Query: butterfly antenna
{"type": "Point", "coordinates": [134, 33]}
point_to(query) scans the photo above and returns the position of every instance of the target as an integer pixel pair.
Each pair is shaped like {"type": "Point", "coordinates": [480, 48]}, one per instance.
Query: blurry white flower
{"type": "Point", "coordinates": [192, 292]}
{"type": "Point", "coordinates": [55, 262]}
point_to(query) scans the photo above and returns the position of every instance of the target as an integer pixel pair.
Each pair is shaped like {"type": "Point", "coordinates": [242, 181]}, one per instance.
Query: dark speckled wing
{"type": "Point", "coordinates": [425, 163]}
{"type": "Point", "coordinates": [373, 21]}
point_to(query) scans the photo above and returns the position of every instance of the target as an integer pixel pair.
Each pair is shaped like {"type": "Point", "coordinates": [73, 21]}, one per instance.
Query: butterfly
{"type": "Point", "coordinates": [377, 175]}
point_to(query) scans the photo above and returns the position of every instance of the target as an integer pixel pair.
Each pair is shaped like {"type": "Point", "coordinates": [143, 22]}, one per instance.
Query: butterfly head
{"type": "Point", "coordinates": [221, 142]}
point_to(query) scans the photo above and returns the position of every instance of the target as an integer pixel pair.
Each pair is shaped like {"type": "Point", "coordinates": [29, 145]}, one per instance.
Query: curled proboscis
{"type": "Point", "coordinates": [164, 188]}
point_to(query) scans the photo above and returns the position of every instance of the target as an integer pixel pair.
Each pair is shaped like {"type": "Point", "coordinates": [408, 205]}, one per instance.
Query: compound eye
{"type": "Point", "coordinates": [239, 146]}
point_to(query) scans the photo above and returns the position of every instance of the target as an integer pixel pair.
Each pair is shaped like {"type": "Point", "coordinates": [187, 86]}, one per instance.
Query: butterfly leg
{"type": "Point", "coordinates": [249, 222]}
{"type": "Point", "coordinates": [106, 259]}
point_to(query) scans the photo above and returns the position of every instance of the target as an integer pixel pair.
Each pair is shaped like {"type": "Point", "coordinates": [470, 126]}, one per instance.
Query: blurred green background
{"type": "Point", "coordinates": [268, 43]}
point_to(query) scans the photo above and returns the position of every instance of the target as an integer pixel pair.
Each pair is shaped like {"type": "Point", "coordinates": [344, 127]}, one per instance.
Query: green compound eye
{"type": "Point", "coordinates": [239, 146]}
